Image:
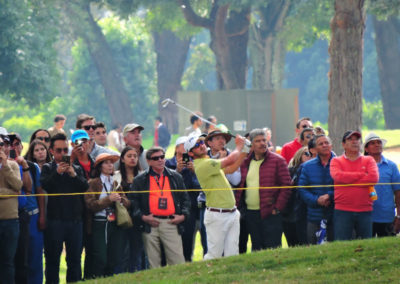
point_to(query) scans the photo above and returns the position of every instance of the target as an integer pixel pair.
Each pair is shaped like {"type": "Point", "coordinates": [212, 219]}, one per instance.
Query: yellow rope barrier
{"type": "Point", "coordinates": [207, 189]}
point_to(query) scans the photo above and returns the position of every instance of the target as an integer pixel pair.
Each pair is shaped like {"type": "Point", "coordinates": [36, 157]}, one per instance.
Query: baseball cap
{"type": "Point", "coordinates": [79, 134]}
{"type": "Point", "coordinates": [192, 140]}
{"type": "Point", "coordinates": [3, 131]}
{"type": "Point", "coordinates": [181, 140]}
{"type": "Point", "coordinates": [130, 127]}
{"type": "Point", "coordinates": [372, 136]}
{"type": "Point", "coordinates": [350, 133]}
{"type": "Point", "coordinates": [13, 136]}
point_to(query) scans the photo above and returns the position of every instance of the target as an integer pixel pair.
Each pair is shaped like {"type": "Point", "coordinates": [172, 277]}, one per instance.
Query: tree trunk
{"type": "Point", "coordinates": [115, 92]}
{"type": "Point", "coordinates": [229, 38]}
{"type": "Point", "coordinates": [388, 57]}
{"type": "Point", "coordinates": [171, 57]}
{"type": "Point", "coordinates": [346, 54]}
{"type": "Point", "coordinates": [268, 51]}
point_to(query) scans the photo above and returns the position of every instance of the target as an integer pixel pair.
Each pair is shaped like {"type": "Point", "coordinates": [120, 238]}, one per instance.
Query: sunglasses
{"type": "Point", "coordinates": [87, 127]}
{"type": "Point", "coordinates": [306, 126]}
{"type": "Point", "coordinates": [60, 150]}
{"type": "Point", "coordinates": [156, 158]}
{"type": "Point", "coordinates": [308, 154]}
{"type": "Point", "coordinates": [309, 136]}
{"type": "Point", "coordinates": [2, 144]}
{"type": "Point", "coordinates": [45, 139]}
{"type": "Point", "coordinates": [198, 144]}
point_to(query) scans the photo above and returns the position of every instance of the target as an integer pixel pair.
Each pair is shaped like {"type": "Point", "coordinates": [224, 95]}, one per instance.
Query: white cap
{"type": "Point", "coordinates": [191, 141]}
{"type": "Point", "coordinates": [3, 131]}
{"type": "Point", "coordinates": [181, 140]}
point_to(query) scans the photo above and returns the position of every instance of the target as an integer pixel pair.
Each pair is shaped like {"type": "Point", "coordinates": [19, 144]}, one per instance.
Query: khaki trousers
{"type": "Point", "coordinates": [167, 235]}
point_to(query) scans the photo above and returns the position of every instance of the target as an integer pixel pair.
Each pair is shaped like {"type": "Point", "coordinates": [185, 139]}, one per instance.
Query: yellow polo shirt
{"type": "Point", "coordinates": [211, 176]}
{"type": "Point", "coordinates": [253, 183]}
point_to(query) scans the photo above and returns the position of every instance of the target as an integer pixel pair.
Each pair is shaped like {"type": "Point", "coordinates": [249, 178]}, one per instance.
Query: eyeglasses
{"type": "Point", "coordinates": [87, 127]}
{"type": "Point", "coordinates": [156, 158]}
{"type": "Point", "coordinates": [45, 139]}
{"type": "Point", "coordinates": [198, 144]}
{"type": "Point", "coordinates": [60, 150]}
{"type": "Point", "coordinates": [308, 154]}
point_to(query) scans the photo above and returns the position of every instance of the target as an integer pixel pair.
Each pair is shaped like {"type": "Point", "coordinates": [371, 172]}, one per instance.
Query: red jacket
{"type": "Point", "coordinates": [273, 172]}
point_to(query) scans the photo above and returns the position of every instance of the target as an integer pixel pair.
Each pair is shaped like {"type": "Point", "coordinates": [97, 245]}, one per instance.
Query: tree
{"type": "Point", "coordinates": [229, 31]}
{"type": "Point", "coordinates": [27, 57]}
{"type": "Point", "coordinates": [171, 57]}
{"type": "Point", "coordinates": [387, 35]}
{"type": "Point", "coordinates": [131, 46]}
{"type": "Point", "coordinates": [87, 28]}
{"type": "Point", "coordinates": [267, 48]}
{"type": "Point", "coordinates": [346, 53]}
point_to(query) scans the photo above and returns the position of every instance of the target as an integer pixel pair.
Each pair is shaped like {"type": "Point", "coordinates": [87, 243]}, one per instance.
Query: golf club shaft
{"type": "Point", "coordinates": [165, 103]}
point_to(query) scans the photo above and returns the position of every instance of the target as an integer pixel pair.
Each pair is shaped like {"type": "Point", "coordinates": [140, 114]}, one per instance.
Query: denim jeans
{"type": "Point", "coordinates": [35, 251]}
{"type": "Point", "coordinates": [347, 221]}
{"type": "Point", "coordinates": [9, 232]}
{"type": "Point", "coordinates": [58, 232]}
{"type": "Point", "coordinates": [264, 233]}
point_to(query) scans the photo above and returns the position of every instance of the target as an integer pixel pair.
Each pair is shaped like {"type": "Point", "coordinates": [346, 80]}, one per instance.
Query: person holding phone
{"type": "Point", "coordinates": [79, 154]}
{"type": "Point", "coordinates": [10, 184]}
{"type": "Point", "coordinates": [64, 213]}
{"type": "Point", "coordinates": [25, 207]}
{"type": "Point", "coordinates": [183, 164]}
{"type": "Point", "coordinates": [107, 238]}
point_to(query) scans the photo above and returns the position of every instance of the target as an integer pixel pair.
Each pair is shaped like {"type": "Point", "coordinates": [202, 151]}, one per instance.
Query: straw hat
{"type": "Point", "coordinates": [105, 156]}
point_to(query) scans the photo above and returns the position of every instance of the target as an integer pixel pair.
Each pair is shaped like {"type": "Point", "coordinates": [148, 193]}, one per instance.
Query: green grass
{"type": "Point", "coordinates": [367, 261]}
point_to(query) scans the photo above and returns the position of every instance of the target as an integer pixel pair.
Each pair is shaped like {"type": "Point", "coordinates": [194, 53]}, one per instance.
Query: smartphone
{"type": "Point", "coordinates": [13, 154]}
{"type": "Point", "coordinates": [185, 158]}
{"type": "Point", "coordinates": [66, 159]}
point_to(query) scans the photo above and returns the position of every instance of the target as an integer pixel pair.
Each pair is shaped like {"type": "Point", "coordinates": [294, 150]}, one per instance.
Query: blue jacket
{"type": "Point", "coordinates": [314, 173]}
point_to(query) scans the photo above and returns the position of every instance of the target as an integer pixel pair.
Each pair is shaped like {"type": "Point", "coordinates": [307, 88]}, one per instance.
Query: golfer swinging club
{"type": "Point", "coordinates": [221, 217]}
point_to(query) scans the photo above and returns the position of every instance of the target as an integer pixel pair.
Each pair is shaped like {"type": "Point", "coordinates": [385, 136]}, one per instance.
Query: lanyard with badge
{"type": "Point", "coordinates": [162, 201]}
{"type": "Point", "coordinates": [110, 212]}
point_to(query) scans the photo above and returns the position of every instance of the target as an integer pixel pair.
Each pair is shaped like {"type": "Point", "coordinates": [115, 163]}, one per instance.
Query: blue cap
{"type": "Point", "coordinates": [79, 134]}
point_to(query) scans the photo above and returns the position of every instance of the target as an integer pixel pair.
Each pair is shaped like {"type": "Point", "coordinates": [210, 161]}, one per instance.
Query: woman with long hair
{"type": "Point", "coordinates": [106, 237]}
{"type": "Point", "coordinates": [42, 135]}
{"type": "Point", "coordinates": [129, 168]}
{"type": "Point", "coordinates": [295, 214]}
{"type": "Point", "coordinates": [38, 153]}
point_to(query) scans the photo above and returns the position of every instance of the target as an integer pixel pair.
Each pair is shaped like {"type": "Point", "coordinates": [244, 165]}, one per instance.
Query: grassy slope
{"type": "Point", "coordinates": [372, 261]}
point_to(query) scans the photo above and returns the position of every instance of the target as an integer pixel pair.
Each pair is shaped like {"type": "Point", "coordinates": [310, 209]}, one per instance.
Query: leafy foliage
{"type": "Point", "coordinates": [131, 47]}
{"type": "Point", "coordinates": [373, 115]}
{"type": "Point", "coordinates": [384, 8]}
{"type": "Point", "coordinates": [27, 56]}
{"type": "Point", "coordinates": [308, 22]}
{"type": "Point", "coordinates": [200, 75]}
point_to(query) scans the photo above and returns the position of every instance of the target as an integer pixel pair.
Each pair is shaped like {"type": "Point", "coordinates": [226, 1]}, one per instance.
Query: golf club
{"type": "Point", "coordinates": [168, 101]}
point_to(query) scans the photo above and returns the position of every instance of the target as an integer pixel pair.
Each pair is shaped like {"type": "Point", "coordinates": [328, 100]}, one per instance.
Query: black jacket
{"type": "Point", "coordinates": [140, 201]}
{"type": "Point", "coordinates": [65, 208]}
